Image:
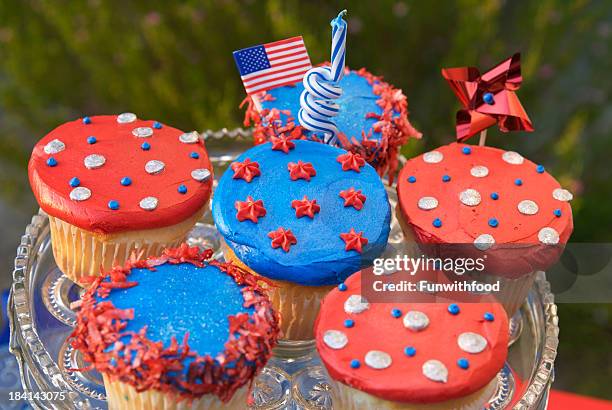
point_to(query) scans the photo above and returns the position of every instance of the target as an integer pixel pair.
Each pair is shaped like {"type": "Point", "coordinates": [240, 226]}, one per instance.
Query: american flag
{"type": "Point", "coordinates": [271, 65]}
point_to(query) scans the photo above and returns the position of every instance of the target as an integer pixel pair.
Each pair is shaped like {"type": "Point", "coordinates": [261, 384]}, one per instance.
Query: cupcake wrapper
{"type": "Point", "coordinates": [122, 396]}
{"type": "Point", "coordinates": [348, 398]}
{"type": "Point", "coordinates": [79, 253]}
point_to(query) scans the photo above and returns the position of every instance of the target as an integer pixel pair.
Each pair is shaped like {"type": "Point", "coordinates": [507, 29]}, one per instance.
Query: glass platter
{"type": "Point", "coordinates": [40, 321]}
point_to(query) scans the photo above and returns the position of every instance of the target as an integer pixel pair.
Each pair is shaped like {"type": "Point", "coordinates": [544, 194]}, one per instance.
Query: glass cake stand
{"type": "Point", "coordinates": [41, 320]}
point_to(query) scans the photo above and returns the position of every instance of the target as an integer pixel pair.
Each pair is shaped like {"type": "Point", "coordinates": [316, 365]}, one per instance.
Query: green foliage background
{"type": "Point", "coordinates": [172, 61]}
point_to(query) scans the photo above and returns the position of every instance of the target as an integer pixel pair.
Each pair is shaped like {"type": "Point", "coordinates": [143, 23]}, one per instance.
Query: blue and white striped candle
{"type": "Point", "coordinates": [321, 88]}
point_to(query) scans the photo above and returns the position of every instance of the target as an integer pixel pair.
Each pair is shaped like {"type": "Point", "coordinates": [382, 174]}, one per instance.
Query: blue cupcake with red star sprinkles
{"type": "Point", "coordinates": [305, 215]}
{"type": "Point", "coordinates": [176, 329]}
{"type": "Point", "coordinates": [114, 184]}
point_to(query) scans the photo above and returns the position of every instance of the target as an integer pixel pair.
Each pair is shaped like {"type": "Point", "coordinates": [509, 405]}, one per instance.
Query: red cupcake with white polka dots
{"type": "Point", "coordinates": [113, 185]}
{"type": "Point", "coordinates": [410, 355]}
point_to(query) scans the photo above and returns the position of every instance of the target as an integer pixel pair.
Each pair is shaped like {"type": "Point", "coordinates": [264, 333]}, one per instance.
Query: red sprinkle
{"type": "Point", "coordinates": [282, 238]}
{"type": "Point", "coordinates": [282, 143]}
{"type": "Point", "coordinates": [354, 241]}
{"type": "Point", "coordinates": [250, 209]}
{"type": "Point", "coordinates": [305, 207]}
{"type": "Point", "coordinates": [351, 161]}
{"type": "Point", "coordinates": [246, 170]}
{"type": "Point", "coordinates": [353, 198]}
{"type": "Point", "coordinates": [301, 170]}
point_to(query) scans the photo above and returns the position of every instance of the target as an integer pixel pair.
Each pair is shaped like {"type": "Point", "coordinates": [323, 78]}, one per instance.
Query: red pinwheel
{"type": "Point", "coordinates": [488, 98]}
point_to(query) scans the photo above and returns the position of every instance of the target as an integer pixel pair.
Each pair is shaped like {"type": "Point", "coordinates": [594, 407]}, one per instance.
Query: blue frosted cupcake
{"type": "Point", "coordinates": [304, 214]}
{"type": "Point", "coordinates": [174, 330]}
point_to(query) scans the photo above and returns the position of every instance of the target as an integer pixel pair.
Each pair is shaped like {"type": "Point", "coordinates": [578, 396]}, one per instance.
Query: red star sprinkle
{"type": "Point", "coordinates": [305, 207]}
{"type": "Point", "coordinates": [354, 241]}
{"type": "Point", "coordinates": [250, 209]}
{"type": "Point", "coordinates": [282, 238]}
{"type": "Point", "coordinates": [351, 161]}
{"type": "Point", "coordinates": [282, 143]}
{"type": "Point", "coordinates": [353, 198]}
{"type": "Point", "coordinates": [301, 170]}
{"type": "Point", "coordinates": [246, 170]}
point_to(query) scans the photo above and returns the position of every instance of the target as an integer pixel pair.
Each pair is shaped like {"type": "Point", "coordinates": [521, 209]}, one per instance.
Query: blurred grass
{"type": "Point", "coordinates": [172, 61]}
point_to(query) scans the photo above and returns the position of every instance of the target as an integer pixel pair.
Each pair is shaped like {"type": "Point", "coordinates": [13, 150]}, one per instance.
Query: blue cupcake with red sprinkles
{"type": "Point", "coordinates": [174, 329]}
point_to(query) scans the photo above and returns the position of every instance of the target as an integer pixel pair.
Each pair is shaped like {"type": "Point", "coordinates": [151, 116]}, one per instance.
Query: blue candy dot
{"type": "Point", "coordinates": [518, 182]}
{"type": "Point", "coordinates": [409, 351]}
{"type": "Point", "coordinates": [411, 179]}
{"type": "Point", "coordinates": [125, 181]}
{"type": "Point", "coordinates": [467, 150]}
{"type": "Point", "coordinates": [494, 196]}
{"type": "Point", "coordinates": [86, 120]}
{"type": "Point", "coordinates": [349, 323]}
{"type": "Point", "coordinates": [463, 363]}
{"type": "Point", "coordinates": [74, 182]}
{"type": "Point", "coordinates": [453, 309]}
{"type": "Point", "coordinates": [182, 189]}
{"type": "Point", "coordinates": [396, 313]}
{"type": "Point", "coordinates": [145, 146]}
{"type": "Point", "coordinates": [488, 98]}
{"type": "Point", "coordinates": [157, 125]}
{"type": "Point", "coordinates": [194, 155]}
{"type": "Point", "coordinates": [342, 287]}
{"type": "Point", "coordinates": [493, 222]}
{"type": "Point", "coordinates": [540, 169]}
{"type": "Point", "coordinates": [91, 139]}
{"type": "Point", "coordinates": [557, 212]}
{"type": "Point", "coordinates": [446, 178]}
{"type": "Point", "coordinates": [114, 205]}
{"type": "Point", "coordinates": [355, 364]}
{"type": "Point", "coordinates": [51, 162]}
{"type": "Point", "coordinates": [489, 317]}
{"type": "Point", "coordinates": [437, 222]}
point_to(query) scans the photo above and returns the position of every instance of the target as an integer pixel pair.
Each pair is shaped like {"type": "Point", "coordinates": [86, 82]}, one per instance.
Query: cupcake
{"type": "Point", "coordinates": [305, 215]}
{"type": "Point", "coordinates": [463, 201]}
{"type": "Point", "coordinates": [112, 185]}
{"type": "Point", "coordinates": [176, 331]}
{"type": "Point", "coordinates": [421, 356]}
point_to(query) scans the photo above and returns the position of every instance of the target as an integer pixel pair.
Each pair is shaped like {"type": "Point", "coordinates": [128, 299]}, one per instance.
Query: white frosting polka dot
{"type": "Point", "coordinates": [154, 166]}
{"type": "Point", "coordinates": [479, 171]}
{"type": "Point", "coordinates": [471, 342]}
{"type": "Point", "coordinates": [548, 236]}
{"type": "Point", "coordinates": [433, 157]}
{"type": "Point", "coordinates": [356, 304]}
{"type": "Point", "coordinates": [512, 157]}
{"type": "Point", "coordinates": [415, 320]}
{"type": "Point", "coordinates": [528, 207]}
{"type": "Point", "coordinates": [435, 370]}
{"type": "Point", "coordinates": [142, 132]}
{"type": "Point", "coordinates": [470, 197]}
{"type": "Point", "coordinates": [561, 194]}
{"type": "Point", "coordinates": [200, 174]}
{"type": "Point", "coordinates": [427, 203]}
{"type": "Point", "coordinates": [335, 339]}
{"type": "Point", "coordinates": [189, 137]}
{"type": "Point", "coordinates": [55, 146]}
{"type": "Point", "coordinates": [484, 241]}
{"type": "Point", "coordinates": [94, 161]}
{"type": "Point", "coordinates": [80, 193]}
{"type": "Point", "coordinates": [377, 359]}
{"type": "Point", "coordinates": [126, 117]}
{"type": "Point", "coordinates": [149, 203]}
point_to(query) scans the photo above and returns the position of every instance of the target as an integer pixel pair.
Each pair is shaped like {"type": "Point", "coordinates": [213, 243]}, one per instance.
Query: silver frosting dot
{"type": "Point", "coordinates": [428, 202]}
{"type": "Point", "coordinates": [484, 241]}
{"type": "Point", "coordinates": [335, 339]}
{"type": "Point", "coordinates": [513, 158]}
{"type": "Point", "coordinates": [154, 166]}
{"type": "Point", "coordinates": [433, 157]}
{"type": "Point", "coordinates": [356, 304]}
{"type": "Point", "coordinates": [415, 320]}
{"type": "Point", "coordinates": [200, 174]}
{"type": "Point", "coordinates": [149, 203]}
{"type": "Point", "coordinates": [142, 132]}
{"type": "Point", "coordinates": [377, 359]}
{"type": "Point", "coordinates": [55, 146]}
{"type": "Point", "coordinates": [189, 137]}
{"type": "Point", "coordinates": [435, 370]}
{"type": "Point", "coordinates": [528, 207]}
{"type": "Point", "coordinates": [471, 342]}
{"type": "Point", "coordinates": [126, 117]}
{"type": "Point", "coordinates": [470, 197]}
{"type": "Point", "coordinates": [80, 193]}
{"type": "Point", "coordinates": [94, 161]}
{"type": "Point", "coordinates": [479, 171]}
{"type": "Point", "coordinates": [561, 194]}
{"type": "Point", "coordinates": [548, 236]}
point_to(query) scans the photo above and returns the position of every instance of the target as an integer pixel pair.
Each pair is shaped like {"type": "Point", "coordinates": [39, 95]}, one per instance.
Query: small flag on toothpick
{"type": "Point", "coordinates": [272, 65]}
